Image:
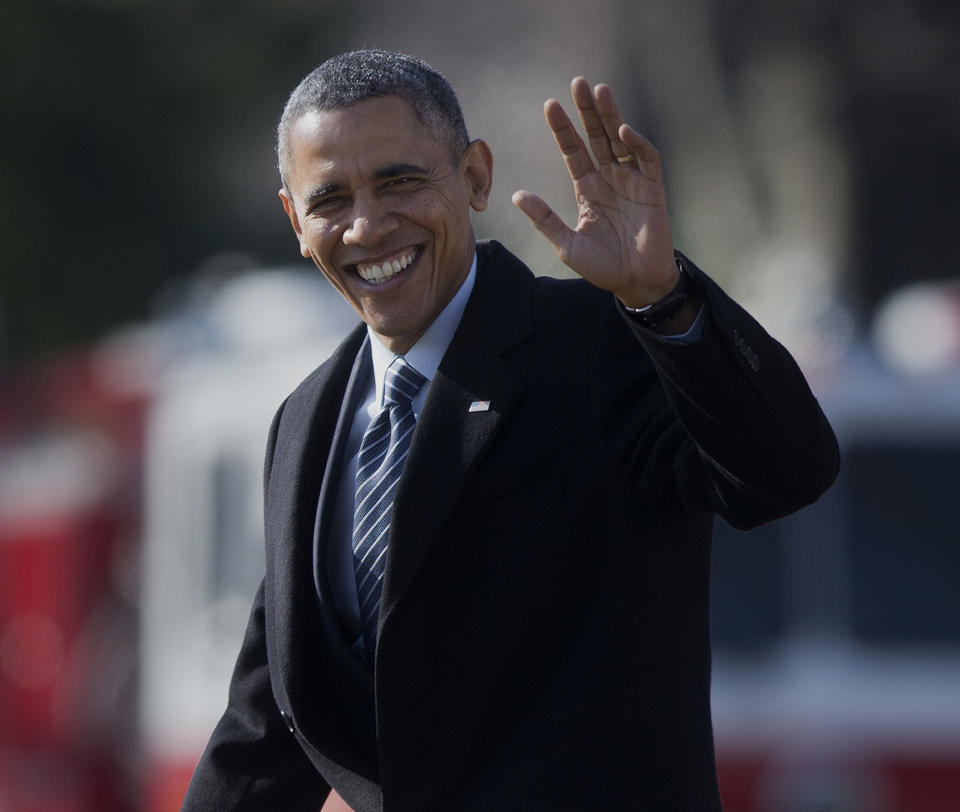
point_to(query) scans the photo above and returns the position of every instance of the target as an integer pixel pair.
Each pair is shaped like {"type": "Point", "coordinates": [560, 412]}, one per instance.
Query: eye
{"type": "Point", "coordinates": [404, 182]}
{"type": "Point", "coordinates": [326, 205]}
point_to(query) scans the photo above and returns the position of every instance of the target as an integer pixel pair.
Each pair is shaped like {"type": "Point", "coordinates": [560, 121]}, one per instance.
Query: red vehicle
{"type": "Point", "coordinates": [69, 524]}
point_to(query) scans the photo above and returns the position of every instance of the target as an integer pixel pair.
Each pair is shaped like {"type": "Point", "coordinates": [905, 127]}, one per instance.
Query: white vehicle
{"type": "Point", "coordinates": [837, 630]}
{"type": "Point", "coordinates": [255, 339]}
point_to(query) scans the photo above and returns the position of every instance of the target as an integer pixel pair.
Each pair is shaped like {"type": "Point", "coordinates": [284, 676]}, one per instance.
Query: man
{"type": "Point", "coordinates": [520, 621]}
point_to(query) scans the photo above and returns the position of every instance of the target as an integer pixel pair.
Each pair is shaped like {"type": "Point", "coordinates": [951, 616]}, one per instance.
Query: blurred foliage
{"type": "Point", "coordinates": [137, 140]}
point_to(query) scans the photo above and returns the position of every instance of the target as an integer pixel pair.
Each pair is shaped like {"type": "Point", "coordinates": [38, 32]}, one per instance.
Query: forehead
{"type": "Point", "coordinates": [360, 138]}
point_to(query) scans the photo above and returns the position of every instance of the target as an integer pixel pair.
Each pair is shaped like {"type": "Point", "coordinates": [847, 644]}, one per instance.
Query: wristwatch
{"type": "Point", "coordinates": [666, 308]}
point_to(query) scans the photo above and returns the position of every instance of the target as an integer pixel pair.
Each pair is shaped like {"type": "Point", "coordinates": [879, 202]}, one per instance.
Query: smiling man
{"type": "Point", "coordinates": [488, 514]}
{"type": "Point", "coordinates": [386, 217]}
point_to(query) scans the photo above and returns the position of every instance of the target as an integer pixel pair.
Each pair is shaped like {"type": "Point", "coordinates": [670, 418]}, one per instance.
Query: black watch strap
{"type": "Point", "coordinates": [666, 308]}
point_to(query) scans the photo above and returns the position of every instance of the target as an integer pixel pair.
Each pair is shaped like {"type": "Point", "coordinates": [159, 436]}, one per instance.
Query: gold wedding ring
{"type": "Point", "coordinates": [625, 159]}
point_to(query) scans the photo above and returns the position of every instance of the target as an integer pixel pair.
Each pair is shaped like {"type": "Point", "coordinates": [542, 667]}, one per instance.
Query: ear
{"type": "Point", "coordinates": [291, 211]}
{"type": "Point", "coordinates": [477, 163]}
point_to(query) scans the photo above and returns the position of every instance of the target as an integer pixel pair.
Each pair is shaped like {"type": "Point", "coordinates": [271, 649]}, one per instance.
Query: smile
{"type": "Point", "coordinates": [386, 269]}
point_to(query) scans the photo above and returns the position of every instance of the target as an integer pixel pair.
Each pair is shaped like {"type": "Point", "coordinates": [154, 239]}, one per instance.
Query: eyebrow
{"type": "Point", "coordinates": [394, 170]}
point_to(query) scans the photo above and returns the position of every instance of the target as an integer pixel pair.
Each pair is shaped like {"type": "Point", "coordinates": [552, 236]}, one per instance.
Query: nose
{"type": "Point", "coordinates": [370, 222]}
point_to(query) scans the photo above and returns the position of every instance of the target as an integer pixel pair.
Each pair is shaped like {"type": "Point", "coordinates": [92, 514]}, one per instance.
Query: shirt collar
{"type": "Point", "coordinates": [425, 355]}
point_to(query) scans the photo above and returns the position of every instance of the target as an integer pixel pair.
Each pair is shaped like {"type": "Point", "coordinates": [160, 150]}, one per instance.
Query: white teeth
{"type": "Point", "coordinates": [377, 274]}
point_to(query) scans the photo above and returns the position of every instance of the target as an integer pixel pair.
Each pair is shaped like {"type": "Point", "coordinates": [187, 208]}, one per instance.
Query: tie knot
{"type": "Point", "coordinates": [401, 382]}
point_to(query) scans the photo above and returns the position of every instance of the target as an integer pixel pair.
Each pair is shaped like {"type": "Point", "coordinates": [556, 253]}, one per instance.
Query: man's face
{"type": "Point", "coordinates": [383, 209]}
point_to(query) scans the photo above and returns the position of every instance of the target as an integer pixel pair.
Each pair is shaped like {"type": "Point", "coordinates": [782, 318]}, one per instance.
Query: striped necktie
{"type": "Point", "coordinates": [379, 464]}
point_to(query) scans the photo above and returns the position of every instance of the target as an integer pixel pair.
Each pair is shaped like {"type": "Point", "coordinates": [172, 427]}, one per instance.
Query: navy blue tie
{"type": "Point", "coordinates": [379, 464]}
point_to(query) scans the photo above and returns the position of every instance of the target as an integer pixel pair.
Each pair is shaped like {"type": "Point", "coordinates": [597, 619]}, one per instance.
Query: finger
{"type": "Point", "coordinates": [571, 146]}
{"type": "Point", "coordinates": [596, 133]}
{"type": "Point", "coordinates": [611, 120]}
{"type": "Point", "coordinates": [545, 220]}
{"type": "Point", "coordinates": [647, 155]}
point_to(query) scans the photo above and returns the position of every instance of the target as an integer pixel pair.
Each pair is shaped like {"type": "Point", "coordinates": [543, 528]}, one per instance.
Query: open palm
{"type": "Point", "coordinates": [622, 240]}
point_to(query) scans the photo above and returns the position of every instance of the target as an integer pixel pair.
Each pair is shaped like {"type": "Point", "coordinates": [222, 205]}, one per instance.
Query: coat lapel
{"type": "Point", "coordinates": [295, 619]}
{"type": "Point", "coordinates": [452, 433]}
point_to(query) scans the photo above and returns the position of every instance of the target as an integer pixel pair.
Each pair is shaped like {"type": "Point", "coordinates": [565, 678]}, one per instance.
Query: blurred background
{"type": "Point", "coordinates": [154, 311]}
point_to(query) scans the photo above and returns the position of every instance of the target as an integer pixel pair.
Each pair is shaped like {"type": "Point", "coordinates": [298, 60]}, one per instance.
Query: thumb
{"type": "Point", "coordinates": [545, 220]}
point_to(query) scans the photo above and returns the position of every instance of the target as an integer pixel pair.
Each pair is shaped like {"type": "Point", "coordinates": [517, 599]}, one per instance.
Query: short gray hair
{"type": "Point", "coordinates": [349, 78]}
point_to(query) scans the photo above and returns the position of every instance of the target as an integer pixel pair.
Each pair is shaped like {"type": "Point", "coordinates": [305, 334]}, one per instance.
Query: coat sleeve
{"type": "Point", "coordinates": [252, 761]}
{"type": "Point", "coordinates": [742, 413]}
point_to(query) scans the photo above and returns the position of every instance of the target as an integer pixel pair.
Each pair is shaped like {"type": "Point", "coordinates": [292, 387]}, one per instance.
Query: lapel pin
{"type": "Point", "coordinates": [480, 406]}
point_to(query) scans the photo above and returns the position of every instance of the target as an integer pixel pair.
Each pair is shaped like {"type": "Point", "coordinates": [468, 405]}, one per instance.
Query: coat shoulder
{"type": "Point", "coordinates": [562, 297]}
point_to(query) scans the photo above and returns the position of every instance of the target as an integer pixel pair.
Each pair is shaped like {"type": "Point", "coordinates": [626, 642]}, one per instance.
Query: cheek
{"type": "Point", "coordinates": [416, 210]}
{"type": "Point", "coordinates": [322, 244]}
{"type": "Point", "coordinates": [448, 225]}
{"type": "Point", "coordinates": [431, 210]}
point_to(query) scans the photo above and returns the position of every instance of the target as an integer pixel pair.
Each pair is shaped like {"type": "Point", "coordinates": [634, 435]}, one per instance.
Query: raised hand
{"type": "Point", "coordinates": [622, 240]}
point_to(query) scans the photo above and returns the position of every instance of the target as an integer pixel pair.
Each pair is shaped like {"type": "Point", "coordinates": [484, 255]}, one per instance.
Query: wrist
{"type": "Point", "coordinates": [667, 306]}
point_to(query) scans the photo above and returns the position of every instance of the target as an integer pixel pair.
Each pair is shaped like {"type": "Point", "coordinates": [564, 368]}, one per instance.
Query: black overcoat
{"type": "Point", "coordinates": [544, 636]}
